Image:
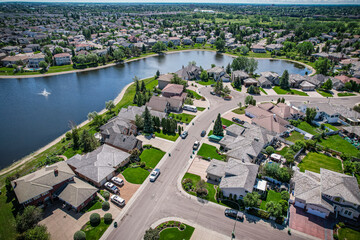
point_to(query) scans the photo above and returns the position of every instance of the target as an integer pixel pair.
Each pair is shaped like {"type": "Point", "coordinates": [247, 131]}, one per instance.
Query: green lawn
{"type": "Point", "coordinates": [175, 234]}
{"type": "Point", "coordinates": [226, 122]}
{"type": "Point", "coordinates": [271, 196]}
{"type": "Point", "coordinates": [200, 109]}
{"type": "Point", "coordinates": [210, 187]}
{"type": "Point", "coordinates": [309, 128]}
{"type": "Point", "coordinates": [151, 156]}
{"type": "Point", "coordinates": [64, 68]}
{"type": "Point", "coordinates": [7, 219]}
{"type": "Point", "coordinates": [281, 91]}
{"type": "Point", "coordinates": [331, 127]}
{"type": "Point", "coordinates": [209, 151]}
{"type": "Point", "coordinates": [339, 144]}
{"type": "Point", "coordinates": [95, 233]}
{"type": "Point", "coordinates": [261, 89]}
{"type": "Point", "coordinates": [96, 205]}
{"type": "Point", "coordinates": [294, 136]}
{"type": "Point", "coordinates": [283, 151]}
{"type": "Point", "coordinates": [324, 94]}
{"type": "Point", "coordinates": [171, 137]}
{"type": "Point", "coordinates": [70, 152]}
{"type": "Point", "coordinates": [348, 234]}
{"type": "Point", "coordinates": [135, 175]}
{"type": "Point", "coordinates": [195, 94]}
{"type": "Point", "coordinates": [314, 161]}
{"type": "Point", "coordinates": [210, 132]}
{"type": "Point", "coordinates": [346, 94]}
{"type": "Point", "coordinates": [209, 82]}
{"type": "Point", "coordinates": [182, 117]}
{"type": "Point", "coordinates": [239, 110]}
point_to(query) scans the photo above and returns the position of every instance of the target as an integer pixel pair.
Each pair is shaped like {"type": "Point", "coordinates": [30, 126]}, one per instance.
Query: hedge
{"type": "Point", "coordinates": [259, 213]}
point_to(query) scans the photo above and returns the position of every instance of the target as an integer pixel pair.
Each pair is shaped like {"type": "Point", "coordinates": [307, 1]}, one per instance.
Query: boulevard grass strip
{"type": "Point", "coordinates": [200, 109]}
{"type": "Point", "coordinates": [95, 232]}
{"type": "Point", "coordinates": [151, 156]}
{"type": "Point", "coordinates": [261, 89]}
{"type": "Point", "coordinates": [324, 94]}
{"type": "Point", "coordinates": [346, 94]}
{"type": "Point", "coordinates": [171, 137]}
{"type": "Point", "coordinates": [226, 122]}
{"type": "Point", "coordinates": [272, 196]}
{"type": "Point", "coordinates": [314, 161]}
{"type": "Point", "coordinates": [135, 175]}
{"type": "Point", "coordinates": [182, 117]}
{"type": "Point", "coordinates": [337, 143]}
{"type": "Point", "coordinates": [281, 91]}
{"type": "Point", "coordinates": [210, 187]}
{"type": "Point", "coordinates": [209, 151]}
{"type": "Point", "coordinates": [175, 234]}
{"type": "Point", "coordinates": [294, 136]}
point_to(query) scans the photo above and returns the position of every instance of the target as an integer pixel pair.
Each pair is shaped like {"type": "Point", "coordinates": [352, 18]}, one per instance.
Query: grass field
{"type": "Point", "coordinates": [324, 94]}
{"type": "Point", "coordinates": [314, 161]}
{"type": "Point", "coordinates": [171, 137]}
{"type": "Point", "coordinates": [95, 233]}
{"type": "Point", "coordinates": [346, 94]}
{"type": "Point", "coordinates": [348, 234]}
{"type": "Point", "coordinates": [209, 151]}
{"type": "Point", "coordinates": [195, 94]}
{"type": "Point", "coordinates": [135, 175]}
{"type": "Point", "coordinates": [339, 144]}
{"type": "Point", "coordinates": [281, 91]}
{"type": "Point", "coordinates": [151, 156]}
{"type": "Point", "coordinates": [182, 117]}
{"type": "Point", "coordinates": [294, 136]}
{"type": "Point", "coordinates": [175, 234]}
{"type": "Point", "coordinates": [271, 196]}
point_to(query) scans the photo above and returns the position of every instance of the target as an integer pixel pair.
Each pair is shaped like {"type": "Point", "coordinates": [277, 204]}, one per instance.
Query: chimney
{"type": "Point", "coordinates": [56, 172]}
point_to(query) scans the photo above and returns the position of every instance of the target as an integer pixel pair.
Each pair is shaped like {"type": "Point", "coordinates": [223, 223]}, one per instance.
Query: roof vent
{"type": "Point", "coordinates": [256, 139]}
{"type": "Point", "coordinates": [56, 172]}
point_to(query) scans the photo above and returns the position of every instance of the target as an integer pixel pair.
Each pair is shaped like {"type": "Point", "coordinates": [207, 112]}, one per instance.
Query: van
{"type": "Point", "coordinates": [118, 200]}
{"type": "Point", "coordinates": [190, 108]}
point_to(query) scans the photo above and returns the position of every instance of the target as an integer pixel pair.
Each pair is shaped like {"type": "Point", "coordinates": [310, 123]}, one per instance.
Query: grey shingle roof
{"type": "Point", "coordinates": [216, 168]}
{"type": "Point", "coordinates": [130, 113]}
{"type": "Point", "coordinates": [127, 142]}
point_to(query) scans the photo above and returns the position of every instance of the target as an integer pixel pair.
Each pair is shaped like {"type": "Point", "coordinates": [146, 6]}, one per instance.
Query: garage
{"type": "Point", "coordinates": [299, 204]}
{"type": "Point", "coordinates": [316, 213]}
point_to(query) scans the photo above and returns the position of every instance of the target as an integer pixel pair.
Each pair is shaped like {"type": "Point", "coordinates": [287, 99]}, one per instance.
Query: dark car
{"type": "Point", "coordinates": [203, 133]}
{"type": "Point", "coordinates": [234, 214]}
{"type": "Point", "coordinates": [237, 120]}
{"type": "Point", "coordinates": [212, 93]}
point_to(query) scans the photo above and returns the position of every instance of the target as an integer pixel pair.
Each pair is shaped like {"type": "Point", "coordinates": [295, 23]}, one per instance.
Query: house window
{"type": "Point", "coordinates": [346, 212]}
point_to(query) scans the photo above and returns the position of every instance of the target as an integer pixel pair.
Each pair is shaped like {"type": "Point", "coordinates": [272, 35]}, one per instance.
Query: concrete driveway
{"type": "Point", "coordinates": [230, 115]}
{"type": "Point", "coordinates": [198, 167]}
{"type": "Point", "coordinates": [161, 143]}
{"type": "Point", "coordinates": [128, 189]}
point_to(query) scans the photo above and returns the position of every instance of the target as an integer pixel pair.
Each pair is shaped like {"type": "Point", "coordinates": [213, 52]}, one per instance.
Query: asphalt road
{"type": "Point", "coordinates": [161, 199]}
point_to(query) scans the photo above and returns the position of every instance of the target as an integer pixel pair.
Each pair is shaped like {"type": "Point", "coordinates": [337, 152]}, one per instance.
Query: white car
{"type": "Point", "coordinates": [118, 200]}
{"type": "Point", "coordinates": [111, 187]}
{"type": "Point", "coordinates": [117, 181]}
{"type": "Point", "coordinates": [196, 145]}
{"type": "Point", "coordinates": [154, 174]}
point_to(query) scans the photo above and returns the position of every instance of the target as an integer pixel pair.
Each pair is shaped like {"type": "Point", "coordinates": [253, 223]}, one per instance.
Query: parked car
{"type": "Point", "coordinates": [196, 145]}
{"type": "Point", "coordinates": [118, 200]}
{"type": "Point", "coordinates": [117, 181]}
{"type": "Point", "coordinates": [154, 174]}
{"type": "Point", "coordinates": [237, 120]}
{"type": "Point", "coordinates": [111, 187]}
{"type": "Point", "coordinates": [224, 126]}
{"type": "Point", "coordinates": [228, 97]}
{"type": "Point", "coordinates": [184, 135]}
{"type": "Point", "coordinates": [212, 93]}
{"type": "Point", "coordinates": [234, 214]}
{"type": "Point", "coordinates": [203, 133]}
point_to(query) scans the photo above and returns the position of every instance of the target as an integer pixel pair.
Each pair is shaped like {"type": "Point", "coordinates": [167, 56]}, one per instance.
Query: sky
{"type": "Point", "coordinates": [204, 1]}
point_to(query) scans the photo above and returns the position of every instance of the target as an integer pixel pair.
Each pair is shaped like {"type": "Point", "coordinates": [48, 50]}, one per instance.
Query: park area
{"type": "Point", "coordinates": [314, 161]}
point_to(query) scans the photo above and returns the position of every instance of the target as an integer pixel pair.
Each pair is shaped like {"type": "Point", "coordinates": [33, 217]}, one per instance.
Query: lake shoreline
{"type": "Point", "coordinates": [313, 71]}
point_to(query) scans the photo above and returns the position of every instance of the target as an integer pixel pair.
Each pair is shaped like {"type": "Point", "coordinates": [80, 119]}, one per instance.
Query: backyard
{"type": "Point", "coordinates": [281, 91]}
{"type": "Point", "coordinates": [151, 156]}
{"type": "Point", "coordinates": [283, 151]}
{"type": "Point", "coordinates": [308, 128]}
{"type": "Point", "coordinates": [175, 234]}
{"type": "Point", "coordinates": [348, 234]}
{"type": "Point", "coordinates": [209, 151]}
{"type": "Point", "coordinates": [339, 144]}
{"type": "Point", "coordinates": [135, 175]}
{"type": "Point", "coordinates": [272, 196]}
{"type": "Point", "coordinates": [314, 161]}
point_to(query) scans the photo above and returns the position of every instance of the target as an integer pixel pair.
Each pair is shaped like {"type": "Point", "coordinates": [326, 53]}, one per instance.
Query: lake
{"type": "Point", "coordinates": [29, 120]}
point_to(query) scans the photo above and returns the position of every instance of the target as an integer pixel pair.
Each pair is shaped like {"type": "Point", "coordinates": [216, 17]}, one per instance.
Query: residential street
{"type": "Point", "coordinates": [164, 198]}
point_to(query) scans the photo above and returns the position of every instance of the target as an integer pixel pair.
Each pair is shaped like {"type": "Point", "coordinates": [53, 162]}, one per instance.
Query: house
{"type": "Point", "coordinates": [272, 47]}
{"type": "Point", "coordinates": [200, 39]}
{"type": "Point", "coordinates": [160, 104]}
{"type": "Point", "coordinates": [285, 111]}
{"type": "Point", "coordinates": [40, 186]}
{"type": "Point", "coordinates": [174, 95]}
{"type": "Point", "coordinates": [306, 86]}
{"type": "Point", "coordinates": [239, 75]}
{"type": "Point", "coordinates": [190, 72]}
{"type": "Point", "coordinates": [123, 142]}
{"type": "Point", "coordinates": [187, 41]}
{"type": "Point", "coordinates": [236, 177]}
{"type": "Point", "coordinates": [295, 80]}
{"type": "Point", "coordinates": [35, 59]}
{"type": "Point", "coordinates": [258, 49]}
{"type": "Point", "coordinates": [129, 113]}
{"type": "Point", "coordinates": [77, 193]}
{"type": "Point", "coordinates": [62, 59]}
{"type": "Point", "coordinates": [218, 73]}
{"type": "Point", "coordinates": [172, 90]}
{"type": "Point", "coordinates": [344, 79]}
{"type": "Point", "coordinates": [264, 82]}
{"type": "Point", "coordinates": [164, 80]}
{"type": "Point", "coordinates": [272, 123]}
{"type": "Point", "coordinates": [255, 111]}
{"type": "Point", "coordinates": [324, 111]}
{"type": "Point", "coordinates": [327, 192]}
{"type": "Point", "coordinates": [11, 60]}
{"type": "Point", "coordinates": [250, 82]}
{"type": "Point", "coordinates": [100, 165]}
{"type": "Point", "coordinates": [33, 47]}
{"type": "Point", "coordinates": [272, 77]}
{"type": "Point", "coordinates": [118, 125]}
{"type": "Point", "coordinates": [175, 40]}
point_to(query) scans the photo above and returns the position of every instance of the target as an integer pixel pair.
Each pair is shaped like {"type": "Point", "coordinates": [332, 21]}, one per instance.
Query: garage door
{"type": "Point", "coordinates": [316, 213]}
{"type": "Point", "coordinates": [299, 204]}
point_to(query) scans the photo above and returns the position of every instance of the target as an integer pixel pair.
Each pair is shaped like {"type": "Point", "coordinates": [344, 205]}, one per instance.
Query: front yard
{"type": "Point", "coordinates": [281, 91]}
{"type": "Point", "coordinates": [239, 110]}
{"type": "Point", "coordinates": [210, 187]}
{"type": "Point", "coordinates": [95, 232]}
{"type": "Point", "coordinates": [176, 234]}
{"type": "Point", "coordinates": [171, 137]}
{"type": "Point", "coordinates": [135, 175]}
{"type": "Point", "coordinates": [209, 151]}
{"type": "Point", "coordinates": [314, 161]}
{"type": "Point", "coordinates": [346, 94]}
{"type": "Point", "coordinates": [151, 157]}
{"type": "Point", "coordinates": [182, 117]}
{"type": "Point", "coordinates": [324, 94]}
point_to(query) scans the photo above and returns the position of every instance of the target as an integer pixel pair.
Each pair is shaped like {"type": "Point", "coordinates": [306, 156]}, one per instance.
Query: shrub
{"type": "Point", "coordinates": [259, 213]}
{"type": "Point", "coordinates": [285, 195]}
{"type": "Point", "coordinates": [105, 206]}
{"type": "Point", "coordinates": [341, 224]}
{"type": "Point", "coordinates": [142, 164]}
{"type": "Point", "coordinates": [68, 135]}
{"type": "Point", "coordinates": [182, 227]}
{"type": "Point", "coordinates": [279, 220]}
{"type": "Point", "coordinates": [107, 218]}
{"type": "Point", "coordinates": [335, 236]}
{"type": "Point", "coordinates": [94, 219]}
{"type": "Point", "coordinates": [79, 235]}
{"type": "Point", "coordinates": [106, 195]}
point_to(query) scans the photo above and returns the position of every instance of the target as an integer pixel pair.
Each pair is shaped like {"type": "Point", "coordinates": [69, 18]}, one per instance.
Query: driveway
{"type": "Point", "coordinates": [309, 224]}
{"type": "Point", "coordinates": [230, 115]}
{"type": "Point", "coordinates": [198, 167]}
{"type": "Point", "coordinates": [313, 94]}
{"type": "Point", "coordinates": [271, 92]}
{"type": "Point", "coordinates": [157, 142]}
{"type": "Point", "coordinates": [128, 189]}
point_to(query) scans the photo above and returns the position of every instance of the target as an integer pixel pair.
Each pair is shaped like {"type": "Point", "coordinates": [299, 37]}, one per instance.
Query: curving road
{"type": "Point", "coordinates": [164, 198]}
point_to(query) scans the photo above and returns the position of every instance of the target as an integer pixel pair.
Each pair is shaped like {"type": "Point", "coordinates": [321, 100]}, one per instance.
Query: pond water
{"type": "Point", "coordinates": [29, 120]}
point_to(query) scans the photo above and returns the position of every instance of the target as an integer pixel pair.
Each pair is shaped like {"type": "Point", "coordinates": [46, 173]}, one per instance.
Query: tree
{"type": "Point", "coordinates": [201, 188]}
{"type": "Point", "coordinates": [310, 114]}
{"type": "Point", "coordinates": [152, 234]}
{"type": "Point", "coordinates": [75, 137]}
{"type": "Point", "coordinates": [251, 199]}
{"type": "Point", "coordinates": [139, 122]}
{"type": "Point", "coordinates": [322, 65]}
{"type": "Point", "coordinates": [285, 195]}
{"type": "Point", "coordinates": [88, 141]}
{"type": "Point", "coordinates": [137, 85]}
{"type": "Point", "coordinates": [218, 87]}
{"type": "Point", "coordinates": [39, 232]}
{"type": "Point", "coordinates": [274, 208]}
{"type": "Point", "coordinates": [158, 47]}
{"type": "Point", "coordinates": [157, 74]}
{"type": "Point", "coordinates": [179, 130]}
{"type": "Point", "coordinates": [284, 80]}
{"type": "Point", "coordinates": [43, 65]}
{"type": "Point", "coordinates": [305, 48]}
{"type": "Point", "coordinates": [226, 90]}
{"type": "Point", "coordinates": [105, 206]}
{"type": "Point", "coordinates": [143, 87]}
{"type": "Point", "coordinates": [228, 69]}
{"type": "Point", "coordinates": [248, 100]}
{"type": "Point", "coordinates": [328, 85]}
{"type": "Point", "coordinates": [218, 130]}
{"type": "Point", "coordinates": [107, 218]}
{"type": "Point", "coordinates": [134, 155]}
{"type": "Point", "coordinates": [119, 54]}
{"type": "Point", "coordinates": [269, 150]}
{"type": "Point", "coordinates": [80, 235]}
{"type": "Point", "coordinates": [204, 76]}
{"type": "Point", "coordinates": [148, 124]}
{"type": "Point", "coordinates": [244, 50]}
{"type": "Point", "coordinates": [178, 80]}
{"type": "Point", "coordinates": [28, 219]}
{"type": "Point", "coordinates": [220, 44]}
{"type": "Point", "coordinates": [94, 219]}
{"type": "Point", "coordinates": [109, 105]}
